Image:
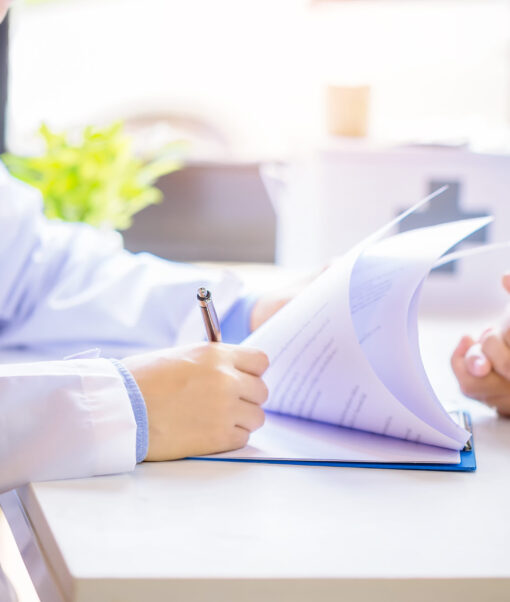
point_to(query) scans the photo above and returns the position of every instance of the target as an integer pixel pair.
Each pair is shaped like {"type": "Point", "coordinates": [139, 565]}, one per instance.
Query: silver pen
{"type": "Point", "coordinates": [211, 322]}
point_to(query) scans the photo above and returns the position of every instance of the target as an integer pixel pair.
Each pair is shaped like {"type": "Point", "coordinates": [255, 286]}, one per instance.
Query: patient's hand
{"type": "Point", "coordinates": [483, 367]}
{"type": "Point", "coordinates": [201, 399]}
{"type": "Point", "coordinates": [270, 303]}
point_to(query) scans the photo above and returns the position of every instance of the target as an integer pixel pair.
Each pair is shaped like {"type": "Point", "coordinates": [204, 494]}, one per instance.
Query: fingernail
{"type": "Point", "coordinates": [480, 366]}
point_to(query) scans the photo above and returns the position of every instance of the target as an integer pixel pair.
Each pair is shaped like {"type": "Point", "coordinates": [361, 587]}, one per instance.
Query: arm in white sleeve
{"type": "Point", "coordinates": [64, 419]}
{"type": "Point", "coordinates": [65, 287]}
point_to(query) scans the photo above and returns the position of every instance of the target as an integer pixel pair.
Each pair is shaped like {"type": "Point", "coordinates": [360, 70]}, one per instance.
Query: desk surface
{"type": "Point", "coordinates": [193, 530]}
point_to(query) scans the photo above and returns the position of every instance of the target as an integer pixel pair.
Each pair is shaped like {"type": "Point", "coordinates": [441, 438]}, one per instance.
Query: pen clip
{"type": "Point", "coordinates": [209, 315]}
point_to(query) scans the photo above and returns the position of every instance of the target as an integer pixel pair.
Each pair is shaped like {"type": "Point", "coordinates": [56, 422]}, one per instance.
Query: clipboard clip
{"type": "Point", "coordinates": [463, 419]}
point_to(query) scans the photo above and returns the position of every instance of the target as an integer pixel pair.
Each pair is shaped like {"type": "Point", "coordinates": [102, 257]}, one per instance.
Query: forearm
{"type": "Point", "coordinates": [83, 293]}
{"type": "Point", "coordinates": [68, 286]}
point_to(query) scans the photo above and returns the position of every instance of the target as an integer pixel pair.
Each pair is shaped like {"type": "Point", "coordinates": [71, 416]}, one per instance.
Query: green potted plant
{"type": "Point", "coordinates": [97, 179]}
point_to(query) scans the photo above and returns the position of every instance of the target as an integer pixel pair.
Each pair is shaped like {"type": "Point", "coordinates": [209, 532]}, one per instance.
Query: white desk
{"type": "Point", "coordinates": [191, 530]}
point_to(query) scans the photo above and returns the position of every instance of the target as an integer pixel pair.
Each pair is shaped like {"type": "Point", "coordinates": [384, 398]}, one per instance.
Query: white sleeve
{"type": "Point", "coordinates": [64, 419]}
{"type": "Point", "coordinates": [66, 287]}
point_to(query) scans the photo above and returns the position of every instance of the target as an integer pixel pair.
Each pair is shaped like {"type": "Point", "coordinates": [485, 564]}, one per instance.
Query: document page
{"type": "Point", "coordinates": [385, 286]}
{"type": "Point", "coordinates": [290, 438]}
{"type": "Point", "coordinates": [320, 371]}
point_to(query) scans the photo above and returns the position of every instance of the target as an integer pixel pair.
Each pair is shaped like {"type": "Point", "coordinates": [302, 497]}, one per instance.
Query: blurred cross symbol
{"type": "Point", "coordinates": [445, 208]}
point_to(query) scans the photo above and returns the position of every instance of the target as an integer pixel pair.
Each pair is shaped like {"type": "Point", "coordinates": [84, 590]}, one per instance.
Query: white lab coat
{"type": "Point", "coordinates": [66, 288]}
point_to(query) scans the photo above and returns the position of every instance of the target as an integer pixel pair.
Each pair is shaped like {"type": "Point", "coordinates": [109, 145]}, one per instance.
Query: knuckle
{"type": "Point", "coordinates": [203, 353]}
{"type": "Point", "coordinates": [260, 419]}
{"type": "Point", "coordinates": [241, 438]}
{"type": "Point", "coordinates": [257, 418]}
{"type": "Point", "coordinates": [227, 382]}
{"type": "Point", "coordinates": [489, 341]}
{"type": "Point", "coordinates": [216, 351]}
{"type": "Point", "coordinates": [264, 360]}
{"type": "Point", "coordinates": [213, 352]}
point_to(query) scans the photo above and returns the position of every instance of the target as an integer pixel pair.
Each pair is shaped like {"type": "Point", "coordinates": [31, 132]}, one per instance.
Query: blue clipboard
{"type": "Point", "coordinates": [467, 459]}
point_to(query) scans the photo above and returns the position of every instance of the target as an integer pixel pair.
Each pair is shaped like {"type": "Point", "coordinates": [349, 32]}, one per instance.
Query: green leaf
{"type": "Point", "coordinates": [97, 180]}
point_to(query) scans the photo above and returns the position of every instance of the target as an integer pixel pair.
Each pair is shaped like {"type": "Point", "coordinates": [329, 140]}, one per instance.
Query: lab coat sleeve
{"type": "Point", "coordinates": [139, 411]}
{"type": "Point", "coordinates": [65, 287]}
{"type": "Point", "coordinates": [236, 325]}
{"type": "Point", "coordinates": [64, 419]}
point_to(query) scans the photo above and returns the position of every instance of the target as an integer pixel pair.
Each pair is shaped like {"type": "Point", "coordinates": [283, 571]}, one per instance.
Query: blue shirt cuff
{"type": "Point", "coordinates": [139, 410]}
{"type": "Point", "coordinates": [235, 326]}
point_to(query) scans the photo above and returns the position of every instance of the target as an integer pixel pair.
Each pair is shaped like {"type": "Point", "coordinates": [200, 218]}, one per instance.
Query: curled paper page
{"type": "Point", "coordinates": [347, 355]}
{"type": "Point", "coordinates": [478, 250]}
{"type": "Point", "coordinates": [385, 285]}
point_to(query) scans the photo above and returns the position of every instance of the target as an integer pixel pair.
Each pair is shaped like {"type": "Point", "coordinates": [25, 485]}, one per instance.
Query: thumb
{"type": "Point", "coordinates": [476, 362]}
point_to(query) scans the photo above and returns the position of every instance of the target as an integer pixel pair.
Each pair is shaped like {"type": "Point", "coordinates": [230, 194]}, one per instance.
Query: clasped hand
{"type": "Point", "coordinates": [482, 367]}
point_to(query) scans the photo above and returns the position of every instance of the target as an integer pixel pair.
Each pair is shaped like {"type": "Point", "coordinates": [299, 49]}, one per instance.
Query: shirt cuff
{"type": "Point", "coordinates": [235, 326]}
{"type": "Point", "coordinates": [139, 410]}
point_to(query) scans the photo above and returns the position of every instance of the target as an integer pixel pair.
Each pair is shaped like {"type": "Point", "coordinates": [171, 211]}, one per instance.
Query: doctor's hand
{"type": "Point", "coordinates": [482, 367]}
{"type": "Point", "coordinates": [201, 399]}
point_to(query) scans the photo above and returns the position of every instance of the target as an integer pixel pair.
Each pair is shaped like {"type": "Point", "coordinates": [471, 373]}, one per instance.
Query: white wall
{"type": "Point", "coordinates": [258, 67]}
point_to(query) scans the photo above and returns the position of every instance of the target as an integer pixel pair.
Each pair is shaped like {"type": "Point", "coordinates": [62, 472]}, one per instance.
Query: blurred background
{"type": "Point", "coordinates": [250, 76]}
{"type": "Point", "coordinates": [371, 103]}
